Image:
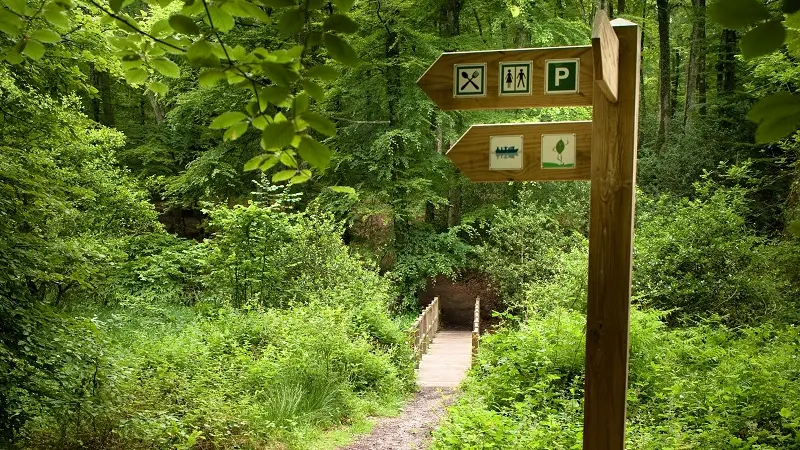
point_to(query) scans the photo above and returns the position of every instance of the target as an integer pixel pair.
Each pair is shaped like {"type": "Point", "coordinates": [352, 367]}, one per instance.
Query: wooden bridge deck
{"type": "Point", "coordinates": [447, 361]}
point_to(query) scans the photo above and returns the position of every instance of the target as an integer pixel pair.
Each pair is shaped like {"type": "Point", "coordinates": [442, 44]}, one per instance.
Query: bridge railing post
{"type": "Point", "coordinates": [476, 328]}
{"type": "Point", "coordinates": [425, 327]}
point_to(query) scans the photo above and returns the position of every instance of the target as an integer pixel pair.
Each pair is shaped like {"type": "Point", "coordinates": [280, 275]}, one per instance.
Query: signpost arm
{"type": "Point", "coordinates": [605, 54]}
{"type": "Point", "coordinates": [613, 175]}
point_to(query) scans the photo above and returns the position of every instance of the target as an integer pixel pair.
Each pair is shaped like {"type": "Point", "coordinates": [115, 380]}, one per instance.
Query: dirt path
{"type": "Point", "coordinates": [411, 430]}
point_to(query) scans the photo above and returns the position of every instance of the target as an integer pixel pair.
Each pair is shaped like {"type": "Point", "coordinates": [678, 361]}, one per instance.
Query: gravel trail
{"type": "Point", "coordinates": [412, 429]}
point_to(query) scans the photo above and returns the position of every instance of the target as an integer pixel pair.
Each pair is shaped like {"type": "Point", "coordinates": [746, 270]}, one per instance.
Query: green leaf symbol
{"type": "Point", "coordinates": [560, 146]}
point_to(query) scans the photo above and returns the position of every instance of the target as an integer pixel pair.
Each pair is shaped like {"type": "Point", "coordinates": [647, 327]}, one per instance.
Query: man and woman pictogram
{"type": "Point", "coordinates": [520, 80]}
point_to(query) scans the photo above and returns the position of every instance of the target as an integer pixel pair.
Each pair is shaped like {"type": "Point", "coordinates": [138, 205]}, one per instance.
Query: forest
{"type": "Point", "coordinates": [219, 216]}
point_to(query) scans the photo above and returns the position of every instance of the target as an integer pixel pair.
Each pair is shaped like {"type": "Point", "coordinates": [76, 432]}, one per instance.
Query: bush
{"type": "Point", "coordinates": [525, 241]}
{"type": "Point", "coordinates": [266, 332]}
{"type": "Point", "coordinates": [698, 257]}
{"type": "Point", "coordinates": [423, 254]}
{"type": "Point", "coordinates": [229, 378]}
{"type": "Point", "coordinates": [702, 387]}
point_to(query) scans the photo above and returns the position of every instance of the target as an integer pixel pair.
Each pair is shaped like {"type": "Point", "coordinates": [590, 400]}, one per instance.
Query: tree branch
{"type": "Point", "coordinates": [132, 27]}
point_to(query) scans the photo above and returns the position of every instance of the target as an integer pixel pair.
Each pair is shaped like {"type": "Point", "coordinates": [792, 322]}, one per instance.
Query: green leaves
{"type": "Point", "coordinates": [10, 24]}
{"type": "Point", "coordinates": [738, 13]}
{"type": "Point", "coordinates": [136, 75]}
{"type": "Point", "coordinates": [777, 116]}
{"type": "Point", "coordinates": [790, 6]}
{"type": "Point", "coordinates": [314, 90]}
{"type": "Point", "coordinates": [763, 39]}
{"type": "Point", "coordinates": [340, 50]}
{"type": "Point", "coordinates": [166, 67]}
{"type": "Point", "coordinates": [279, 73]}
{"type": "Point", "coordinates": [210, 77]}
{"type": "Point", "coordinates": [319, 122]}
{"type": "Point", "coordinates": [33, 49]}
{"type": "Point", "coordinates": [291, 22]}
{"type": "Point", "coordinates": [18, 6]}
{"type": "Point", "coordinates": [184, 24]}
{"type": "Point", "coordinates": [55, 15]}
{"type": "Point", "coordinates": [227, 119]}
{"type": "Point", "coordinates": [202, 53]}
{"type": "Point", "coordinates": [234, 132]}
{"type": "Point", "coordinates": [46, 36]}
{"type": "Point", "coordinates": [343, 189]}
{"type": "Point", "coordinates": [344, 5]}
{"type": "Point", "coordinates": [278, 3]}
{"type": "Point", "coordinates": [276, 95]}
{"type": "Point", "coordinates": [317, 154]}
{"type": "Point", "coordinates": [221, 20]}
{"type": "Point", "coordinates": [159, 88]}
{"type": "Point", "coordinates": [283, 175]}
{"type": "Point", "coordinates": [340, 23]}
{"type": "Point", "coordinates": [325, 73]}
{"type": "Point", "coordinates": [794, 228]}
{"type": "Point", "coordinates": [277, 135]}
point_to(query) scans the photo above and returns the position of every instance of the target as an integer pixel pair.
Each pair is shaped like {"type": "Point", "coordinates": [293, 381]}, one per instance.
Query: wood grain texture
{"type": "Point", "coordinates": [605, 51]}
{"type": "Point", "coordinates": [437, 81]}
{"type": "Point", "coordinates": [471, 153]}
{"type": "Point", "coordinates": [613, 173]}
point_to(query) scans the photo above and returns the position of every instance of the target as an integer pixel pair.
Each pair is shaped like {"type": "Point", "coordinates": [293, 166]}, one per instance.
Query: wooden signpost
{"type": "Point", "coordinates": [604, 75]}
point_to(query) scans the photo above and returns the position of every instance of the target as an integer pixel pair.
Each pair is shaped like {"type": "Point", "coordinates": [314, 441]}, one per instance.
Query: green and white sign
{"type": "Point", "coordinates": [469, 80]}
{"type": "Point", "coordinates": [558, 151]}
{"type": "Point", "coordinates": [505, 152]}
{"type": "Point", "coordinates": [561, 76]}
{"type": "Point", "coordinates": [514, 78]}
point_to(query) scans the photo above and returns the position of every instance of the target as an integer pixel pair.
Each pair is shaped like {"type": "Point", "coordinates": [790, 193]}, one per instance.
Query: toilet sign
{"type": "Point", "coordinates": [562, 76]}
{"type": "Point", "coordinates": [515, 78]}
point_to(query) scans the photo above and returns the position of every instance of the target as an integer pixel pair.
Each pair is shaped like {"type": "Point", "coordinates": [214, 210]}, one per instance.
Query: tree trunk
{"type": "Point", "coordinates": [695, 70]}
{"type": "Point", "coordinates": [158, 109]}
{"type": "Point", "coordinates": [106, 98]}
{"type": "Point", "coordinates": [642, 103]}
{"type": "Point", "coordinates": [726, 64]}
{"type": "Point", "coordinates": [449, 12]}
{"type": "Point", "coordinates": [702, 83]}
{"type": "Point", "coordinates": [676, 82]}
{"type": "Point", "coordinates": [94, 101]}
{"type": "Point", "coordinates": [620, 7]}
{"type": "Point", "coordinates": [664, 104]}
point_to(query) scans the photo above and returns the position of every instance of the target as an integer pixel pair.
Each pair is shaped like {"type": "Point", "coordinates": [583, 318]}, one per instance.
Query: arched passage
{"type": "Point", "coordinates": [457, 299]}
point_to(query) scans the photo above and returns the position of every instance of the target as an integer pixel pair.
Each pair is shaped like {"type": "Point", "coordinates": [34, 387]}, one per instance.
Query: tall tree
{"type": "Point", "coordinates": [726, 62]}
{"type": "Point", "coordinates": [664, 103]}
{"type": "Point", "coordinates": [695, 69]}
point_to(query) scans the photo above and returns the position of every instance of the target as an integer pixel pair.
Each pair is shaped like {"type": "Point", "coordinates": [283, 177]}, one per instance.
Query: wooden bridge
{"type": "Point", "coordinates": [443, 357]}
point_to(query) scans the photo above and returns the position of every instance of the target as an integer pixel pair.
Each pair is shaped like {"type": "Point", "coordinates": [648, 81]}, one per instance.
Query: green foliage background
{"type": "Point", "coordinates": [217, 217]}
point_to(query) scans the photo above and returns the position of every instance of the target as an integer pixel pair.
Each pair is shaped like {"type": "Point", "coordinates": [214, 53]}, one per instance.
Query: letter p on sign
{"type": "Point", "coordinates": [562, 76]}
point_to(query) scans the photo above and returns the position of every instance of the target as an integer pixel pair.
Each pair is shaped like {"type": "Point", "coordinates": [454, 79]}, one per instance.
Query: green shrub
{"type": "Point", "coordinates": [699, 257]}
{"type": "Point", "coordinates": [423, 254]}
{"type": "Point", "coordinates": [701, 387]}
{"type": "Point", "coordinates": [234, 378]}
{"type": "Point", "coordinates": [524, 242]}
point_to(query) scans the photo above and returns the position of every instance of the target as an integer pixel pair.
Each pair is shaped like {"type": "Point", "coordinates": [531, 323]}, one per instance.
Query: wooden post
{"type": "Point", "coordinates": [476, 327]}
{"type": "Point", "coordinates": [613, 175]}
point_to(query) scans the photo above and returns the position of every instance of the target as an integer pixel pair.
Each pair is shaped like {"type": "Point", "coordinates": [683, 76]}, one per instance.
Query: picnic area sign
{"type": "Point", "coordinates": [604, 76]}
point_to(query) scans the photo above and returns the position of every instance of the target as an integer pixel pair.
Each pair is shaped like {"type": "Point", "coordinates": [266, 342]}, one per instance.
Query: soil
{"type": "Point", "coordinates": [412, 429]}
{"type": "Point", "coordinates": [457, 300]}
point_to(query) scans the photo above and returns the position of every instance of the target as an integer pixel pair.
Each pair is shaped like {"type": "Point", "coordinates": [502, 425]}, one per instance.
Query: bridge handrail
{"type": "Point", "coordinates": [476, 328]}
{"type": "Point", "coordinates": [424, 328]}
